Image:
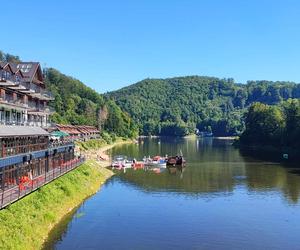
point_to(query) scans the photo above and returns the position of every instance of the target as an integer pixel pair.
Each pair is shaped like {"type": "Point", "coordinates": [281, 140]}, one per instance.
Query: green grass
{"type": "Point", "coordinates": [91, 144]}
{"type": "Point", "coordinates": [26, 223]}
{"type": "Point", "coordinates": [98, 143]}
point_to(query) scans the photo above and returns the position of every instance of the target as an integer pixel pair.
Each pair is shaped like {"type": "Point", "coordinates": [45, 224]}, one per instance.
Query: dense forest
{"type": "Point", "coordinates": [176, 106]}
{"type": "Point", "coordinates": [77, 104]}
{"type": "Point", "coordinates": [277, 125]}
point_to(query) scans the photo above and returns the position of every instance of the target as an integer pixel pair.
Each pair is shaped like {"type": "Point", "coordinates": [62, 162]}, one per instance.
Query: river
{"type": "Point", "coordinates": [222, 199]}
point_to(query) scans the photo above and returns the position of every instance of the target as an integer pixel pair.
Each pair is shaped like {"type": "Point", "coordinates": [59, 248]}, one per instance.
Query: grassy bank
{"type": "Point", "coordinates": [26, 223]}
{"type": "Point", "coordinates": [95, 144]}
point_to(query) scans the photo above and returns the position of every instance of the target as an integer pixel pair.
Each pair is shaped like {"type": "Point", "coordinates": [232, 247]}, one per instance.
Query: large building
{"type": "Point", "coordinates": [23, 97]}
{"type": "Point", "coordinates": [28, 158]}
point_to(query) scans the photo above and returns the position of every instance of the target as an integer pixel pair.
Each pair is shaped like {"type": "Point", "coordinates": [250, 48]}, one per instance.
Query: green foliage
{"type": "Point", "coordinates": [174, 106]}
{"type": "Point", "coordinates": [277, 125]}
{"type": "Point", "coordinates": [291, 110]}
{"type": "Point", "coordinates": [119, 122]}
{"type": "Point", "coordinates": [6, 57]}
{"type": "Point", "coordinates": [74, 102]}
{"type": "Point", "coordinates": [264, 124]}
{"type": "Point", "coordinates": [93, 143]}
{"type": "Point", "coordinates": [77, 104]}
{"type": "Point", "coordinates": [200, 101]}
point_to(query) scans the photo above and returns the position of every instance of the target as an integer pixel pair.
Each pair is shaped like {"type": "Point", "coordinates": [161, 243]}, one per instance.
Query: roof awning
{"type": "Point", "coordinates": [14, 131]}
{"type": "Point", "coordinates": [59, 134]}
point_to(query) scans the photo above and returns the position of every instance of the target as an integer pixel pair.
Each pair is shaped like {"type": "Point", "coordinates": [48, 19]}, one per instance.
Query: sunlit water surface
{"type": "Point", "coordinates": [221, 200]}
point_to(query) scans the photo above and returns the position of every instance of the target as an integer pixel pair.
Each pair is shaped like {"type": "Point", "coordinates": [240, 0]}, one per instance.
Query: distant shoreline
{"type": "Point", "coordinates": [189, 136]}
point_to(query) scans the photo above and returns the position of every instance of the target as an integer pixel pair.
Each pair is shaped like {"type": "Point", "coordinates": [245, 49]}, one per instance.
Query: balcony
{"type": "Point", "coordinates": [8, 81]}
{"type": "Point", "coordinates": [26, 88]}
{"type": "Point", "coordinates": [17, 191]}
{"type": "Point", "coordinates": [9, 102]}
{"type": "Point", "coordinates": [38, 109]}
{"type": "Point", "coordinates": [32, 123]}
{"type": "Point", "coordinates": [12, 123]}
{"type": "Point", "coordinates": [41, 110]}
{"type": "Point", "coordinates": [32, 90]}
{"type": "Point", "coordinates": [43, 95]}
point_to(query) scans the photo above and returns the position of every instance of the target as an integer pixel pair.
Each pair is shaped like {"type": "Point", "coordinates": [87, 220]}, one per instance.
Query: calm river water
{"type": "Point", "coordinates": [221, 200]}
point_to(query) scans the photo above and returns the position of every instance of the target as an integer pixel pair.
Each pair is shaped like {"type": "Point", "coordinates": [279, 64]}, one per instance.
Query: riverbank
{"type": "Point", "coordinates": [95, 150]}
{"type": "Point", "coordinates": [26, 223]}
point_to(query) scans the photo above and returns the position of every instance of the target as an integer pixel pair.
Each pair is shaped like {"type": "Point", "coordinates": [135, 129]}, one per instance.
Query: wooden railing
{"type": "Point", "coordinates": [17, 192]}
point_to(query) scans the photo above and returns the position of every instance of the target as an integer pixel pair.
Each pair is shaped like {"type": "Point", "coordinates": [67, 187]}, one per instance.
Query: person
{"type": "Point", "coordinates": [30, 175]}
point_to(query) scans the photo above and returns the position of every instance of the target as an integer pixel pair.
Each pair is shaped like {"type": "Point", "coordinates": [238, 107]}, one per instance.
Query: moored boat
{"type": "Point", "coordinates": [156, 161]}
{"type": "Point", "coordinates": [121, 161]}
{"type": "Point", "coordinates": [176, 161]}
{"type": "Point", "coordinates": [138, 165]}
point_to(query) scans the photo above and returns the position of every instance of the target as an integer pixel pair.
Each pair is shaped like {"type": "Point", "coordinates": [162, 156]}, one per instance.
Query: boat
{"type": "Point", "coordinates": [176, 161]}
{"type": "Point", "coordinates": [127, 163]}
{"type": "Point", "coordinates": [138, 165]}
{"type": "Point", "coordinates": [156, 161]}
{"type": "Point", "coordinates": [205, 134]}
{"type": "Point", "coordinates": [121, 162]}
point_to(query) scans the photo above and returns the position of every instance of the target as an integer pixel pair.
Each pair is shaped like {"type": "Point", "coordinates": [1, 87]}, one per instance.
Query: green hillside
{"type": "Point", "coordinates": [77, 104]}
{"type": "Point", "coordinates": [176, 106]}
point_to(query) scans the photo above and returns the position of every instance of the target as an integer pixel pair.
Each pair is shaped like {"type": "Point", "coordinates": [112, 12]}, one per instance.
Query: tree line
{"type": "Point", "coordinates": [176, 106]}
{"type": "Point", "coordinates": [77, 104]}
{"type": "Point", "coordinates": [173, 107]}
{"type": "Point", "coordinates": [276, 125]}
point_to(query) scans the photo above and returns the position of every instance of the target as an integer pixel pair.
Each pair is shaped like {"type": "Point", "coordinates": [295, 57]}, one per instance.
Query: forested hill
{"type": "Point", "coordinates": [77, 104]}
{"type": "Point", "coordinates": [175, 106]}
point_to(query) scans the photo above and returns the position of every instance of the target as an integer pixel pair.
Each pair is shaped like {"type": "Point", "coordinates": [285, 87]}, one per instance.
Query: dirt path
{"type": "Point", "coordinates": [100, 155]}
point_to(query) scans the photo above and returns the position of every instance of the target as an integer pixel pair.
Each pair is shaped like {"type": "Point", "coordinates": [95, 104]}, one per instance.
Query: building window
{"type": "Point", "coordinates": [7, 116]}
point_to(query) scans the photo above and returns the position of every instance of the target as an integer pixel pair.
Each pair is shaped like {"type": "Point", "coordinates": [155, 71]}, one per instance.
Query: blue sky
{"type": "Point", "coordinates": [110, 44]}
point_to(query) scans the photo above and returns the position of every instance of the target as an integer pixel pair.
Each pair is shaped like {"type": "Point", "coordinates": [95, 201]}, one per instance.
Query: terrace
{"type": "Point", "coordinates": [8, 79]}
{"type": "Point", "coordinates": [38, 108]}
{"type": "Point", "coordinates": [9, 101]}
{"type": "Point", "coordinates": [27, 185]}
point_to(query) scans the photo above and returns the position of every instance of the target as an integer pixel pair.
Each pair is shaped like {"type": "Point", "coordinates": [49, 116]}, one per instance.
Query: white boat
{"type": "Point", "coordinates": [121, 161]}
{"type": "Point", "coordinates": [127, 163]}
{"type": "Point", "coordinates": [156, 161]}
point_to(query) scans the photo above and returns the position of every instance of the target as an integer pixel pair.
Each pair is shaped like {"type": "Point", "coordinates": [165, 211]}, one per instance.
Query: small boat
{"type": "Point", "coordinates": [205, 134]}
{"type": "Point", "coordinates": [127, 163]}
{"type": "Point", "coordinates": [156, 161]}
{"type": "Point", "coordinates": [176, 161]}
{"type": "Point", "coordinates": [138, 165]}
{"type": "Point", "coordinates": [121, 161]}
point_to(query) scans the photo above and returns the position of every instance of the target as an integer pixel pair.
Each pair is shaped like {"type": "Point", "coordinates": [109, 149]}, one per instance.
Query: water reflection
{"type": "Point", "coordinates": [247, 203]}
{"type": "Point", "coordinates": [214, 166]}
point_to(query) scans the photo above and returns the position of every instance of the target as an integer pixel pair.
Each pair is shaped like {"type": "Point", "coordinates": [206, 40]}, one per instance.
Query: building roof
{"type": "Point", "coordinates": [30, 70]}
{"type": "Point", "coordinates": [3, 64]}
{"type": "Point", "coordinates": [13, 68]}
{"type": "Point", "coordinates": [14, 131]}
{"type": "Point", "coordinates": [77, 129]}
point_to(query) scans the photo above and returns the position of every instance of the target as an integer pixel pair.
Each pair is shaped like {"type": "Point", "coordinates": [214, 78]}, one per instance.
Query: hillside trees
{"type": "Point", "coordinates": [78, 104]}
{"type": "Point", "coordinates": [277, 125]}
{"type": "Point", "coordinates": [206, 102]}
